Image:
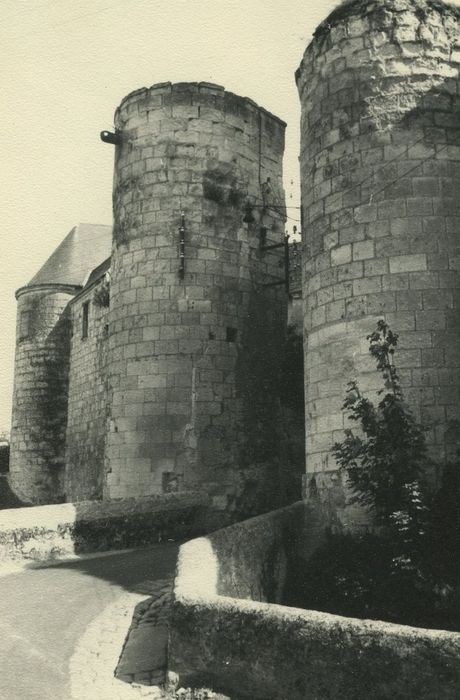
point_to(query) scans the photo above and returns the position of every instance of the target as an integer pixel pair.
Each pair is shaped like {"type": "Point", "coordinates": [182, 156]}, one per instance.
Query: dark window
{"type": "Point", "coordinates": [85, 320]}
{"type": "Point", "coordinates": [24, 324]}
{"type": "Point", "coordinates": [232, 335]}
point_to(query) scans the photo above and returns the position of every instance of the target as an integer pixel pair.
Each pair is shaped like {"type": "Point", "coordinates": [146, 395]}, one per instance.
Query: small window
{"type": "Point", "coordinates": [231, 335]}
{"type": "Point", "coordinates": [85, 320]}
{"type": "Point", "coordinates": [24, 324]}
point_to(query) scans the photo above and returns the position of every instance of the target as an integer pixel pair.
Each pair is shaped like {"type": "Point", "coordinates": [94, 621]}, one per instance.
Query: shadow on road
{"type": "Point", "coordinates": [135, 571]}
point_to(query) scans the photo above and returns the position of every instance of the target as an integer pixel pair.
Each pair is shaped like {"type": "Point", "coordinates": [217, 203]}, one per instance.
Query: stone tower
{"type": "Point", "coordinates": [380, 170]}
{"type": "Point", "coordinates": [41, 371]}
{"type": "Point", "coordinates": [40, 393]}
{"type": "Point", "coordinates": [195, 332]}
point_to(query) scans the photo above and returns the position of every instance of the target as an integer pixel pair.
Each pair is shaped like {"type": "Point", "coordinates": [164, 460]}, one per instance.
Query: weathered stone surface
{"type": "Point", "coordinates": [228, 633]}
{"type": "Point", "coordinates": [193, 363]}
{"type": "Point", "coordinates": [301, 654]}
{"type": "Point", "coordinates": [380, 163]}
{"type": "Point", "coordinates": [40, 393]}
{"type": "Point", "coordinates": [87, 400]}
{"type": "Point", "coordinates": [59, 531]}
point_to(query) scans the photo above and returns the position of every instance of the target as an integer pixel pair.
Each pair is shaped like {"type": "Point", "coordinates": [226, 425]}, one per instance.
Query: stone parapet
{"type": "Point", "coordinates": [66, 530]}
{"type": "Point", "coordinates": [229, 633]}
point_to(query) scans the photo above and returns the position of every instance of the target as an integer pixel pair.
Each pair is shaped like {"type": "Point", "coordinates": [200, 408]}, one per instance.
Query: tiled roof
{"type": "Point", "coordinates": [82, 250]}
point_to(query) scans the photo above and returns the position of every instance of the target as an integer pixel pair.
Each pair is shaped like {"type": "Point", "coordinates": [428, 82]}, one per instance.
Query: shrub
{"type": "Point", "coordinates": [384, 464]}
{"type": "Point", "coordinates": [407, 571]}
{"type": "Point", "coordinates": [101, 296]}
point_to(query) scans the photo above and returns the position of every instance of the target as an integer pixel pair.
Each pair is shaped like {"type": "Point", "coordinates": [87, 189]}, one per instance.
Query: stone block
{"type": "Point", "coordinates": [365, 213]}
{"type": "Point", "coordinates": [363, 250]}
{"type": "Point", "coordinates": [350, 271]}
{"type": "Point", "coordinates": [341, 255]}
{"type": "Point", "coordinates": [401, 320]}
{"type": "Point", "coordinates": [424, 280]}
{"type": "Point", "coordinates": [335, 310]}
{"type": "Point", "coordinates": [409, 300]}
{"type": "Point", "coordinates": [430, 320]}
{"type": "Point", "coordinates": [408, 263]}
{"type": "Point", "coordinates": [367, 285]}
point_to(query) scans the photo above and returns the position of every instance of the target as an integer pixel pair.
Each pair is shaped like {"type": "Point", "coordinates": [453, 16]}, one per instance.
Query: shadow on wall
{"type": "Point", "coordinates": [8, 498]}
{"type": "Point", "coordinates": [40, 406]}
{"type": "Point", "coordinates": [54, 532]}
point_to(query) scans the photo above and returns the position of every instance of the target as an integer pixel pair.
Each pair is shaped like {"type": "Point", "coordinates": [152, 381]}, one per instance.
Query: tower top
{"type": "Point", "coordinates": [350, 8]}
{"type": "Point", "coordinates": [193, 93]}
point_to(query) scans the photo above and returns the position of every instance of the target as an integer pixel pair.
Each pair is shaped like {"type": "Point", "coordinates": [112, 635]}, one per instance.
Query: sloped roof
{"type": "Point", "coordinates": [98, 272]}
{"type": "Point", "coordinates": [83, 249]}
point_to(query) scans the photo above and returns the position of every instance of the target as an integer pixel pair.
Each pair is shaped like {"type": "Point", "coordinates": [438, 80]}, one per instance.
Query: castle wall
{"type": "Point", "coordinates": [40, 393]}
{"type": "Point", "coordinates": [193, 363]}
{"type": "Point", "coordinates": [380, 171]}
{"type": "Point", "coordinates": [87, 417]}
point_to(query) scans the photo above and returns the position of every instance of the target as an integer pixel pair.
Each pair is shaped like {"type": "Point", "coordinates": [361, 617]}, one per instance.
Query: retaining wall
{"type": "Point", "coordinates": [59, 531]}
{"type": "Point", "coordinates": [229, 633]}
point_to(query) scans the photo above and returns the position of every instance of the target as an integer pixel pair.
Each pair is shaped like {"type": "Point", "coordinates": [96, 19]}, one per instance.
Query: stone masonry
{"type": "Point", "coordinates": [177, 385]}
{"type": "Point", "coordinates": [380, 170]}
{"type": "Point", "coordinates": [193, 359]}
{"type": "Point", "coordinates": [40, 392]}
{"type": "Point", "coordinates": [87, 406]}
{"type": "Point", "coordinates": [158, 369]}
{"type": "Point", "coordinates": [47, 345]}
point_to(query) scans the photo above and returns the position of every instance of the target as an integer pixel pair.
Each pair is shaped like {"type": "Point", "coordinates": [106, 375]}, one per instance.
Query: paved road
{"type": "Point", "coordinates": [45, 613]}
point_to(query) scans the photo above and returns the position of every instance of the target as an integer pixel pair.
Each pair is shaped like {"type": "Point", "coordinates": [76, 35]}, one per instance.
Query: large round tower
{"type": "Point", "coordinates": [195, 332]}
{"type": "Point", "coordinates": [380, 170]}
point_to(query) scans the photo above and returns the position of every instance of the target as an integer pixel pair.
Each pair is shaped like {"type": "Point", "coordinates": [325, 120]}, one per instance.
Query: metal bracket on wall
{"type": "Point", "coordinates": [182, 248]}
{"type": "Point", "coordinates": [273, 246]}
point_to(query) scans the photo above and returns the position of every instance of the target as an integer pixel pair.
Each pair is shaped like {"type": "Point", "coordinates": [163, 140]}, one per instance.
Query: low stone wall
{"type": "Point", "coordinates": [227, 633]}
{"type": "Point", "coordinates": [59, 531]}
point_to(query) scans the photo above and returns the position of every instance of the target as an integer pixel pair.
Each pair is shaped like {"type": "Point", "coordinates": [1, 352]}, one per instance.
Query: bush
{"type": "Point", "coordinates": [409, 570]}
{"type": "Point", "coordinates": [384, 464]}
{"type": "Point", "coordinates": [353, 575]}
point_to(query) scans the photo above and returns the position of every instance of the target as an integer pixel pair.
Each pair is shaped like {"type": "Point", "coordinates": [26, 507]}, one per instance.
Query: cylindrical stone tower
{"type": "Point", "coordinates": [195, 332]}
{"type": "Point", "coordinates": [40, 392]}
{"type": "Point", "coordinates": [380, 169]}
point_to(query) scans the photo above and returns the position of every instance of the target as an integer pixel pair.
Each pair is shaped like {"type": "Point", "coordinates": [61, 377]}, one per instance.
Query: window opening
{"type": "Point", "coordinates": [24, 324]}
{"type": "Point", "coordinates": [85, 320]}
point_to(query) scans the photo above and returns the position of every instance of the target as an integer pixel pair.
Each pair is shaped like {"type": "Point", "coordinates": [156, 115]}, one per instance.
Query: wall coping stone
{"type": "Point", "coordinates": [300, 652]}
{"type": "Point", "coordinates": [62, 530]}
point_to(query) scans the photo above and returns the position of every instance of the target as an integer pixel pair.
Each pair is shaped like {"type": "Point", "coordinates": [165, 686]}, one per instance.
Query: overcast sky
{"type": "Point", "coordinates": [66, 66]}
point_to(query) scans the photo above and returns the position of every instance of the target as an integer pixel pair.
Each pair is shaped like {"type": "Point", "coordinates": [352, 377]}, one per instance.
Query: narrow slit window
{"type": "Point", "coordinates": [85, 320]}
{"type": "Point", "coordinates": [24, 324]}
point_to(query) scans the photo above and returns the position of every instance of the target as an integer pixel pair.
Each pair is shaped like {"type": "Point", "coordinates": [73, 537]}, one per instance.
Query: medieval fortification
{"type": "Point", "coordinates": [149, 357]}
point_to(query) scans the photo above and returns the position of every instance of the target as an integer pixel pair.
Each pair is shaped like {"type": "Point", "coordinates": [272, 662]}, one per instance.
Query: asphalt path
{"type": "Point", "coordinates": [45, 611]}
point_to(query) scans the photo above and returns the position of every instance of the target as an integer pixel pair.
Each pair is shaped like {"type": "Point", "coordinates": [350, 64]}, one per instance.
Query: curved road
{"type": "Point", "coordinates": [46, 611]}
